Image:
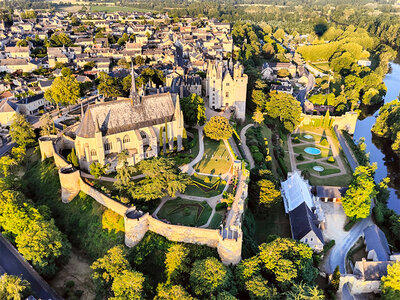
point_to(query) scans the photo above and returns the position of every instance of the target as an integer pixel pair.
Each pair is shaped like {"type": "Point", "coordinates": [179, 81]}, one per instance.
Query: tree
{"type": "Point", "coordinates": [139, 60]}
{"type": "Point", "coordinates": [18, 153]}
{"type": "Point", "coordinates": [73, 159]}
{"type": "Point", "coordinates": [357, 200]}
{"type": "Point", "coordinates": [390, 284]}
{"type": "Point", "coordinates": [110, 266]}
{"type": "Point", "coordinates": [44, 245]}
{"type": "Point", "coordinates": [209, 276]}
{"type": "Point", "coordinates": [335, 281]}
{"type": "Point", "coordinates": [304, 291]}
{"type": "Point", "coordinates": [172, 292]}
{"type": "Point", "coordinates": [128, 285]}
{"type": "Point", "coordinates": [13, 287]}
{"type": "Point", "coordinates": [279, 34]}
{"type": "Point", "coordinates": [284, 107]}
{"type": "Point", "coordinates": [162, 178]}
{"type": "Point", "coordinates": [21, 131]}
{"type": "Point", "coordinates": [194, 111]}
{"type": "Point", "coordinates": [59, 39]}
{"type": "Point", "coordinates": [267, 194]}
{"type": "Point", "coordinates": [258, 117]}
{"type": "Point", "coordinates": [109, 86]}
{"type": "Point", "coordinates": [64, 90]}
{"type": "Point", "coordinates": [7, 165]}
{"type": "Point", "coordinates": [176, 262]}
{"type": "Point", "coordinates": [258, 288]}
{"type": "Point", "coordinates": [98, 170]}
{"type": "Point", "coordinates": [218, 128]}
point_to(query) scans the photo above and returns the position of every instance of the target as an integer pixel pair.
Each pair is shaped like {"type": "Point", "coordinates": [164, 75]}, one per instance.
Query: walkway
{"type": "Point", "coordinates": [188, 168]}
{"type": "Point", "coordinates": [246, 149]}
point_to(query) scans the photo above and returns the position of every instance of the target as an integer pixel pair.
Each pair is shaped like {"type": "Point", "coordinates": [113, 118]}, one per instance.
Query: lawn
{"type": "Point", "coordinates": [205, 186]}
{"type": "Point", "coordinates": [216, 159]}
{"type": "Point", "coordinates": [299, 149]}
{"type": "Point", "coordinates": [216, 220]}
{"type": "Point", "coordinates": [185, 212]}
{"type": "Point", "coordinates": [274, 221]}
{"type": "Point", "coordinates": [326, 171]}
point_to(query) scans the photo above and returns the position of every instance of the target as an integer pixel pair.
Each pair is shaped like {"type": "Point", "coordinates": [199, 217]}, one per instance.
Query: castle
{"type": "Point", "coordinates": [226, 86]}
{"type": "Point", "coordinates": [142, 125]}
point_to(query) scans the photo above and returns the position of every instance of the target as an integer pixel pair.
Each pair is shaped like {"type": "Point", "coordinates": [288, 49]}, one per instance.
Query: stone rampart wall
{"type": "Point", "coordinates": [104, 200]}
{"type": "Point", "coordinates": [348, 121]}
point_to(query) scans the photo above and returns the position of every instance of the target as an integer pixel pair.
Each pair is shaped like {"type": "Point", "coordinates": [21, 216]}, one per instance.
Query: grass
{"type": "Point", "coordinates": [299, 149]}
{"type": "Point", "coordinates": [106, 8]}
{"type": "Point", "coordinates": [209, 181]}
{"type": "Point", "coordinates": [216, 158]}
{"type": "Point", "coordinates": [274, 221]}
{"type": "Point", "coordinates": [326, 171]}
{"type": "Point", "coordinates": [216, 220]}
{"type": "Point", "coordinates": [185, 212]}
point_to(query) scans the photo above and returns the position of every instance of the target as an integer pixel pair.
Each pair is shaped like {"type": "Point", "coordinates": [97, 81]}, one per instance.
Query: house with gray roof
{"type": "Point", "coordinates": [376, 243]}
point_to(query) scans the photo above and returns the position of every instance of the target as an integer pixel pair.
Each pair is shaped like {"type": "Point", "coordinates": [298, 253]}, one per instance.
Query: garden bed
{"type": "Point", "coordinates": [185, 212]}
{"type": "Point", "coordinates": [205, 186]}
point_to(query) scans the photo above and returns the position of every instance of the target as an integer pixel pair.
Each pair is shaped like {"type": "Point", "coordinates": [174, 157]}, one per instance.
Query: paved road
{"type": "Point", "coordinates": [7, 147]}
{"type": "Point", "coordinates": [189, 167]}
{"type": "Point", "coordinates": [14, 264]}
{"type": "Point", "coordinates": [301, 96]}
{"type": "Point", "coordinates": [337, 256]}
{"type": "Point", "coordinates": [246, 149]}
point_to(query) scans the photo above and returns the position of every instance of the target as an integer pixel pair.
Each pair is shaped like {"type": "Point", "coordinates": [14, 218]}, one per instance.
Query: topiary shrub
{"type": "Point", "coordinates": [331, 159]}
{"type": "Point", "coordinates": [296, 140]}
{"type": "Point", "coordinates": [324, 142]}
{"type": "Point", "coordinates": [221, 206]}
{"type": "Point", "coordinates": [300, 157]}
{"type": "Point", "coordinates": [258, 157]}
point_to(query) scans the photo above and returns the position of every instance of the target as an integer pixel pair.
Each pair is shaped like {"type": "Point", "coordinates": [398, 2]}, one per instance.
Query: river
{"type": "Point", "coordinates": [379, 149]}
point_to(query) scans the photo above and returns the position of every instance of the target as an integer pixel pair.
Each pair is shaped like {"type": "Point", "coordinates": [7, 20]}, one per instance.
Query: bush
{"type": "Point", "coordinates": [221, 206]}
{"type": "Point", "coordinates": [258, 157]}
{"type": "Point", "coordinates": [296, 140]}
{"type": "Point", "coordinates": [331, 160]}
{"type": "Point", "coordinates": [349, 225]}
{"type": "Point", "coordinates": [324, 142]}
{"type": "Point", "coordinates": [300, 157]}
{"type": "Point", "coordinates": [329, 245]}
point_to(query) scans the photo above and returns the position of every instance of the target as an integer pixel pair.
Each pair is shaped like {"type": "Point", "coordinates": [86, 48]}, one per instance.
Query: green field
{"type": "Point", "coordinates": [185, 212]}
{"type": "Point", "coordinates": [216, 159]}
{"type": "Point", "coordinates": [105, 8]}
{"type": "Point", "coordinates": [216, 220]}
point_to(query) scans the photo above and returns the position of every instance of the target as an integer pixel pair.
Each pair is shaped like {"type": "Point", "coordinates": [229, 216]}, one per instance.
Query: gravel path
{"type": "Point", "coordinates": [246, 149]}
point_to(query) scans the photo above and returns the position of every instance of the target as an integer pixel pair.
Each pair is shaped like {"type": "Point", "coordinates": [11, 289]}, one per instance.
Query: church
{"type": "Point", "coordinates": [226, 87]}
{"type": "Point", "coordinates": [143, 125]}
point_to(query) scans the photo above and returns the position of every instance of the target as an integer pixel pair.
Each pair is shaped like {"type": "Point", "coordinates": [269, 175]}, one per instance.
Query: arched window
{"type": "Point", "coordinates": [107, 145]}
{"type": "Point", "coordinates": [126, 139]}
{"type": "Point", "coordinates": [93, 152]}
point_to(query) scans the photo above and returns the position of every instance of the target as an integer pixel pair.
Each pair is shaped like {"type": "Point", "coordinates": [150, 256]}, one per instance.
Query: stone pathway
{"type": "Point", "coordinates": [188, 168]}
{"type": "Point", "coordinates": [246, 149]}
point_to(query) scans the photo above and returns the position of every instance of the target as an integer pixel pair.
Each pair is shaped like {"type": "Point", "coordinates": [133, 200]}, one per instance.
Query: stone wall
{"type": "Point", "coordinates": [348, 121]}
{"type": "Point", "coordinates": [229, 249]}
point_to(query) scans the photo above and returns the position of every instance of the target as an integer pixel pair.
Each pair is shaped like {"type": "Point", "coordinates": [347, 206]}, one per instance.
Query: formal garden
{"type": "Point", "coordinates": [318, 154]}
{"type": "Point", "coordinates": [205, 186]}
{"type": "Point", "coordinates": [185, 212]}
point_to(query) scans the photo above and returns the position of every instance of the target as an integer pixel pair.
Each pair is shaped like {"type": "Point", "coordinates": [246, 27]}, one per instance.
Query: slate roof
{"type": "Point", "coordinates": [302, 221]}
{"type": "Point", "coordinates": [371, 270]}
{"type": "Point", "coordinates": [330, 191]}
{"type": "Point", "coordinates": [122, 115]}
{"type": "Point", "coordinates": [7, 106]}
{"type": "Point", "coordinates": [296, 191]}
{"type": "Point", "coordinates": [376, 240]}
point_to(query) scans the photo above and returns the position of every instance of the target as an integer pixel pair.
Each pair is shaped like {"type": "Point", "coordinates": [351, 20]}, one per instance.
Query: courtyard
{"type": "Point", "coordinates": [216, 159]}
{"type": "Point", "coordinates": [317, 151]}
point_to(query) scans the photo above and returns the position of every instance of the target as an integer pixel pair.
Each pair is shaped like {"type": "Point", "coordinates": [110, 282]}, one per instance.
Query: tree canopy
{"type": "Point", "coordinates": [218, 128]}
{"type": "Point", "coordinates": [21, 131]}
{"type": "Point", "coordinates": [64, 90]}
{"type": "Point", "coordinates": [194, 111]}
{"type": "Point", "coordinates": [390, 284]}
{"type": "Point", "coordinates": [13, 287]}
{"type": "Point", "coordinates": [357, 200]}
